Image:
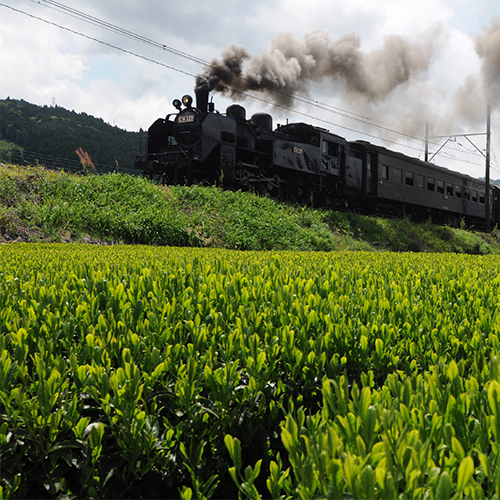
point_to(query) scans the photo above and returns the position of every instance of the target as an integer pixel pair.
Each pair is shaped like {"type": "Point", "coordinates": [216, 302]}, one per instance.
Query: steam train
{"type": "Point", "coordinates": [301, 163]}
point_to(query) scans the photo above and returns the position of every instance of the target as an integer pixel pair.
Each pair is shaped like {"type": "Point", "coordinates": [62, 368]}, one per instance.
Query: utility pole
{"type": "Point", "coordinates": [487, 156]}
{"type": "Point", "coordinates": [487, 173]}
{"type": "Point", "coordinates": [426, 142]}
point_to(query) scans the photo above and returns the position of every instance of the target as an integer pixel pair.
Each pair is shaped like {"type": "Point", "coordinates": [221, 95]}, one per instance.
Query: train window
{"type": "Point", "coordinates": [481, 198]}
{"type": "Point", "coordinates": [430, 184]}
{"type": "Point", "coordinates": [384, 172]}
{"type": "Point", "coordinates": [449, 189]}
{"type": "Point", "coordinates": [330, 148]}
{"type": "Point", "coordinates": [409, 178]}
{"type": "Point", "coordinates": [420, 181]}
{"type": "Point", "coordinates": [474, 195]}
{"type": "Point", "coordinates": [458, 191]}
{"type": "Point", "coordinates": [440, 187]}
{"type": "Point", "coordinates": [467, 193]}
{"type": "Point", "coordinates": [397, 173]}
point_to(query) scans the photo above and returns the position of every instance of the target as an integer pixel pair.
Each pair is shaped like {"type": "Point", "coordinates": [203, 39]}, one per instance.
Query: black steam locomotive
{"type": "Point", "coordinates": [300, 163]}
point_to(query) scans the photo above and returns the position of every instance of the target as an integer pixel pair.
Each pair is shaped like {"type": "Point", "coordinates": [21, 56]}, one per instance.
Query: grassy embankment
{"type": "Point", "coordinates": [42, 205]}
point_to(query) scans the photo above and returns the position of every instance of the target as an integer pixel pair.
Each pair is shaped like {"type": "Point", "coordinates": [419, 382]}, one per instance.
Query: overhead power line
{"type": "Point", "coordinates": [304, 99]}
{"type": "Point", "coordinates": [52, 4]}
{"type": "Point", "coordinates": [297, 97]}
{"type": "Point", "coordinates": [116, 29]}
{"type": "Point", "coordinates": [258, 98]}
{"type": "Point", "coordinates": [116, 47]}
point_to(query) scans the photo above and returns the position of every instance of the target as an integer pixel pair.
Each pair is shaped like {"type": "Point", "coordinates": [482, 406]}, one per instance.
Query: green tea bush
{"type": "Point", "coordinates": [143, 372]}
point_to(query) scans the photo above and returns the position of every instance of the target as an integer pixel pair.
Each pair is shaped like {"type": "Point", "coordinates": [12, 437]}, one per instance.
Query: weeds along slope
{"type": "Point", "coordinates": [54, 205]}
{"type": "Point", "coordinates": [149, 372]}
{"type": "Point", "coordinates": [41, 205]}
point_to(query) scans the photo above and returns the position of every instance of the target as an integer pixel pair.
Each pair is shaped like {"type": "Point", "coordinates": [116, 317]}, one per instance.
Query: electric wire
{"type": "Point", "coordinates": [52, 4]}
{"type": "Point", "coordinates": [297, 97]}
{"type": "Point", "coordinates": [244, 94]}
{"type": "Point", "coordinates": [111, 27]}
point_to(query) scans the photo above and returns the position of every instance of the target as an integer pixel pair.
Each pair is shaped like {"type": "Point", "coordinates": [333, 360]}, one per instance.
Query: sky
{"type": "Point", "coordinates": [377, 71]}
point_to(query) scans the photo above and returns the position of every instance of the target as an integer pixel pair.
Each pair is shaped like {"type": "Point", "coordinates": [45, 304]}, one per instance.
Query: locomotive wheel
{"type": "Point", "coordinates": [270, 189]}
{"type": "Point", "coordinates": [301, 191]}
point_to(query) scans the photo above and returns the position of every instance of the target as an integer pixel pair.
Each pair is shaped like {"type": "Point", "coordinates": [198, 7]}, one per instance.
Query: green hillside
{"type": "Point", "coordinates": [56, 131]}
{"type": "Point", "coordinates": [37, 204]}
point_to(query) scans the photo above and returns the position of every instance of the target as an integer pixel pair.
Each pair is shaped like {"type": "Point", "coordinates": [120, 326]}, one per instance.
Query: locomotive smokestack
{"type": "Point", "coordinates": [202, 98]}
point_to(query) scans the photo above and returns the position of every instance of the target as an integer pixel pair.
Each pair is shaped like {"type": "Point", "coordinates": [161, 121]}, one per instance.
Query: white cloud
{"type": "Point", "coordinates": [34, 60]}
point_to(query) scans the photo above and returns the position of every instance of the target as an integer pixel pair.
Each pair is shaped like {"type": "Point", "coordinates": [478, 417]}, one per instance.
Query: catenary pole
{"type": "Point", "coordinates": [487, 208]}
{"type": "Point", "coordinates": [426, 142]}
{"type": "Point", "coordinates": [487, 173]}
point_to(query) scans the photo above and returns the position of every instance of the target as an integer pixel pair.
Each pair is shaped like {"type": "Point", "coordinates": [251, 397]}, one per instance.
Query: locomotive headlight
{"type": "Point", "coordinates": [177, 104]}
{"type": "Point", "coordinates": [187, 100]}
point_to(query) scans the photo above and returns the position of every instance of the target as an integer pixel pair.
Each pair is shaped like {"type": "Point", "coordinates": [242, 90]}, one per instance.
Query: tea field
{"type": "Point", "coordinates": [156, 372]}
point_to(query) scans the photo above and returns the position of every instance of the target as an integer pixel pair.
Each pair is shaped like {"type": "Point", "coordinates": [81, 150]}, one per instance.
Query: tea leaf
{"type": "Point", "coordinates": [465, 471]}
{"type": "Point", "coordinates": [233, 445]}
{"type": "Point", "coordinates": [443, 490]}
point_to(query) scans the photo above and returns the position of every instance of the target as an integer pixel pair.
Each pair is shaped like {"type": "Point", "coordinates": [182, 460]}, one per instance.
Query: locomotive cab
{"type": "Point", "coordinates": [160, 138]}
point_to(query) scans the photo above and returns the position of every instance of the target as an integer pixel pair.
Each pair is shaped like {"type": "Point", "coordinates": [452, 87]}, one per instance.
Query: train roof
{"type": "Point", "coordinates": [372, 148]}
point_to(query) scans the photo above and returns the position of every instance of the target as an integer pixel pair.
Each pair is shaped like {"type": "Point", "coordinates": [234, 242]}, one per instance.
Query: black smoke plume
{"type": "Point", "coordinates": [290, 65]}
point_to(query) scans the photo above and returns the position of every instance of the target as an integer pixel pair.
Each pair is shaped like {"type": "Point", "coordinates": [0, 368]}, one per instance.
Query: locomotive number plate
{"type": "Point", "coordinates": [186, 119]}
{"type": "Point", "coordinates": [298, 151]}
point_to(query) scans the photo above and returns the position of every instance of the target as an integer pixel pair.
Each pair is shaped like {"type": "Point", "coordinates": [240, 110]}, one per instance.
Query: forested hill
{"type": "Point", "coordinates": [58, 132]}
